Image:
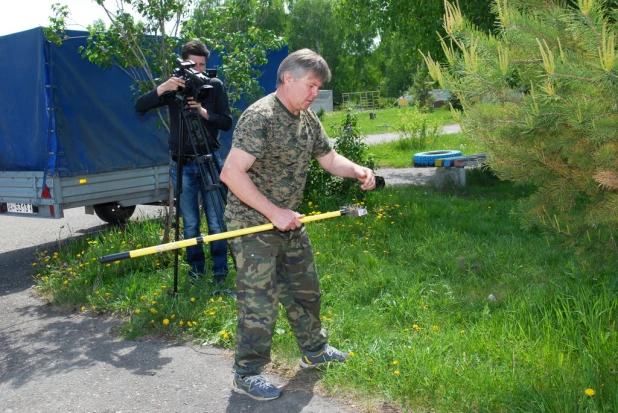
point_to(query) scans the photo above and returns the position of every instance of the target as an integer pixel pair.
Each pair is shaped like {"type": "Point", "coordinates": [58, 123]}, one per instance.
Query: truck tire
{"type": "Point", "coordinates": [429, 158]}
{"type": "Point", "coordinates": [113, 212]}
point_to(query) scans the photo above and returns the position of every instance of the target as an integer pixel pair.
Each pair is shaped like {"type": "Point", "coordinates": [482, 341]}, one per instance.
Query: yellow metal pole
{"type": "Point", "coordinates": [214, 237]}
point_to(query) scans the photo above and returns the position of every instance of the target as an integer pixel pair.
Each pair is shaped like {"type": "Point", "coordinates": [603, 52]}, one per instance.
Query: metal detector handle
{"type": "Point", "coordinates": [209, 238]}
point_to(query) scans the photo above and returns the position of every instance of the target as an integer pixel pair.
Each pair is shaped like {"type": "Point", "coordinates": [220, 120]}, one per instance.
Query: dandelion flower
{"type": "Point", "coordinates": [590, 392]}
{"type": "Point", "coordinates": [192, 299]}
{"type": "Point", "coordinates": [83, 308]}
{"type": "Point", "coordinates": [138, 311]}
{"type": "Point", "coordinates": [395, 363]}
{"type": "Point", "coordinates": [396, 372]}
{"type": "Point", "coordinates": [66, 282]}
{"type": "Point", "coordinates": [351, 353]}
{"type": "Point", "coordinates": [166, 321]}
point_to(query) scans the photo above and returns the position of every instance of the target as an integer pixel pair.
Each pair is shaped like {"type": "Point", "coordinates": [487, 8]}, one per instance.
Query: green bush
{"type": "Point", "coordinates": [349, 143]}
{"type": "Point", "coordinates": [416, 131]}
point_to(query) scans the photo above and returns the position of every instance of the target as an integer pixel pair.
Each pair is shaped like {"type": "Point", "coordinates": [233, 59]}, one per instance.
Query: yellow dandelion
{"type": "Point", "coordinates": [328, 276]}
{"type": "Point", "coordinates": [66, 282]}
{"type": "Point", "coordinates": [435, 328]}
{"type": "Point", "coordinates": [416, 327]}
{"type": "Point", "coordinates": [220, 298]}
{"type": "Point", "coordinates": [351, 353]}
{"type": "Point", "coordinates": [153, 302]}
{"type": "Point", "coordinates": [83, 308]}
{"type": "Point", "coordinates": [117, 262]}
{"type": "Point", "coordinates": [395, 363]}
{"type": "Point", "coordinates": [396, 372]}
{"type": "Point", "coordinates": [590, 392]}
{"type": "Point", "coordinates": [138, 311]}
{"type": "Point", "coordinates": [142, 298]}
{"type": "Point", "coordinates": [108, 265]}
{"type": "Point", "coordinates": [181, 322]}
{"type": "Point", "coordinates": [192, 299]}
{"type": "Point", "coordinates": [166, 321]}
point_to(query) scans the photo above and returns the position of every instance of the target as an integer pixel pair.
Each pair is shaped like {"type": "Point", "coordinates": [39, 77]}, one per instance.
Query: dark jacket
{"type": "Point", "coordinates": [219, 115]}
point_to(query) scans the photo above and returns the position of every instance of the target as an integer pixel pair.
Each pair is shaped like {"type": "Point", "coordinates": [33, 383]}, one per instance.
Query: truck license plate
{"type": "Point", "coordinates": [20, 208]}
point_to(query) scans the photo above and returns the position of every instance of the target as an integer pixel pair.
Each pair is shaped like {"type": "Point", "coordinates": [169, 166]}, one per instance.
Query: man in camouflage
{"type": "Point", "coordinates": [266, 172]}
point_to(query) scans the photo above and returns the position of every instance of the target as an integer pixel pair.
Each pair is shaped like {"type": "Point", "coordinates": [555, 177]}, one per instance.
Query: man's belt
{"type": "Point", "coordinates": [186, 159]}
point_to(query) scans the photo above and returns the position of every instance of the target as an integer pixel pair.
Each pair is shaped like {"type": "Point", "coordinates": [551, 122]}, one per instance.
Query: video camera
{"type": "Point", "coordinates": [197, 84]}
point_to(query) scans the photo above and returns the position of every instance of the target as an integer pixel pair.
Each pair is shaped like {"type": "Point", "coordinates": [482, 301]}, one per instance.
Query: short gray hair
{"type": "Point", "coordinates": [302, 62]}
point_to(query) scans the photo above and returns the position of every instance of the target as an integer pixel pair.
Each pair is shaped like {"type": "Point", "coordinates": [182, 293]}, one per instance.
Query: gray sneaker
{"type": "Point", "coordinates": [325, 355]}
{"type": "Point", "coordinates": [256, 387]}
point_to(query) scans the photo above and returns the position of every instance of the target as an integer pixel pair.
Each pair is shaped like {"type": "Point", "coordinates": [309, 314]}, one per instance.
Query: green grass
{"type": "Point", "coordinates": [406, 290]}
{"type": "Point", "coordinates": [390, 155]}
{"type": "Point", "coordinates": [385, 120]}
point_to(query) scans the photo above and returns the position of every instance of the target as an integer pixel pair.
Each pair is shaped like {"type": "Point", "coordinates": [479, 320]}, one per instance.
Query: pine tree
{"type": "Point", "coordinates": [541, 94]}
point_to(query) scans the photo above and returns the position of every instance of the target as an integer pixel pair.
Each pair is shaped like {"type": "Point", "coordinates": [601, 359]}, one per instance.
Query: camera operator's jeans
{"type": "Point", "coordinates": [192, 188]}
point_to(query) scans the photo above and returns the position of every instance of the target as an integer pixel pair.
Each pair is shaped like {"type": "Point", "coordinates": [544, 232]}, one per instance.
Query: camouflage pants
{"type": "Point", "coordinates": [274, 267]}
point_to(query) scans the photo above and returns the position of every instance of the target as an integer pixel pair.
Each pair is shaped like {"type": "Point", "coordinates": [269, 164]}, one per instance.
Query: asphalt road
{"type": "Point", "coordinates": [59, 361]}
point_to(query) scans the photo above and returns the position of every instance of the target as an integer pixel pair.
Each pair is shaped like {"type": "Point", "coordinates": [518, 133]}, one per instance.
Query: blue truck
{"type": "Point", "coordinates": [70, 136]}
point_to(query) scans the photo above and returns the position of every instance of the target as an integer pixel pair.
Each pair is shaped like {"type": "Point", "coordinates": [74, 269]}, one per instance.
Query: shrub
{"type": "Point", "coordinates": [415, 130]}
{"type": "Point", "coordinates": [349, 143]}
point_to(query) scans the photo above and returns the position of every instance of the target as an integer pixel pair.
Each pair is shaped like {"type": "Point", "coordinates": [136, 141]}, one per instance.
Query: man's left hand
{"type": "Point", "coordinates": [198, 106]}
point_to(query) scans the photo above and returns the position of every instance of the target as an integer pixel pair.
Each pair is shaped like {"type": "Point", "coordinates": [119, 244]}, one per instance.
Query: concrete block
{"type": "Point", "coordinates": [448, 178]}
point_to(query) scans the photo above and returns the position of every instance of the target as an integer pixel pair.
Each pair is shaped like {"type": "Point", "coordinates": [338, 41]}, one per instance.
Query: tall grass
{"type": "Point", "coordinates": [385, 120]}
{"type": "Point", "coordinates": [445, 303]}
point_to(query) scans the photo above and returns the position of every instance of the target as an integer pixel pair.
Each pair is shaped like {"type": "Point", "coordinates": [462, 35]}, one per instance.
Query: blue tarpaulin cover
{"type": "Point", "coordinates": [65, 116]}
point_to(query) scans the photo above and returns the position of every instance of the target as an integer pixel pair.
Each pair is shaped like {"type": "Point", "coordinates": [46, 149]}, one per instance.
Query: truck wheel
{"type": "Point", "coordinates": [113, 212]}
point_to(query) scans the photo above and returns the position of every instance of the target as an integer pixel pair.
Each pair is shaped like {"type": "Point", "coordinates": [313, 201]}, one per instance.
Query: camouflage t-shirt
{"type": "Point", "coordinates": [283, 145]}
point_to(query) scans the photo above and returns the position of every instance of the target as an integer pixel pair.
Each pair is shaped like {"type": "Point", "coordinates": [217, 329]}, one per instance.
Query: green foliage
{"type": "Point", "coordinates": [243, 36]}
{"type": "Point", "coordinates": [404, 27]}
{"type": "Point", "coordinates": [348, 143]}
{"type": "Point", "coordinates": [416, 131]}
{"type": "Point", "coordinates": [320, 113]}
{"type": "Point", "coordinates": [557, 128]}
{"type": "Point", "coordinates": [421, 86]}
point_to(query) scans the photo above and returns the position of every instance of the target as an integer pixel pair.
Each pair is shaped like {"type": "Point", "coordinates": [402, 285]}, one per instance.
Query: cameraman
{"type": "Point", "coordinates": [215, 115]}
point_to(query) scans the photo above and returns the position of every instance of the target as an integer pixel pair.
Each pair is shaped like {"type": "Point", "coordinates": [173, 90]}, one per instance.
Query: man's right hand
{"type": "Point", "coordinates": [170, 85]}
{"type": "Point", "coordinates": [286, 219]}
